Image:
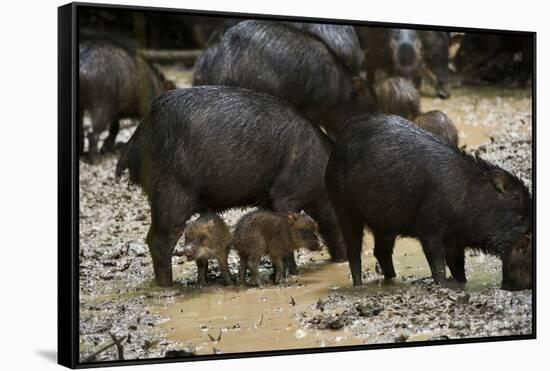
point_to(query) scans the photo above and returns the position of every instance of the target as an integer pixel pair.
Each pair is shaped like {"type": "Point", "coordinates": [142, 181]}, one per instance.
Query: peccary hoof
{"type": "Point", "coordinates": [164, 281]}
{"type": "Point", "coordinates": [443, 94]}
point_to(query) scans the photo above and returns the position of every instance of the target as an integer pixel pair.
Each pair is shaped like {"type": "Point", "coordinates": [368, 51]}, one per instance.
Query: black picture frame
{"type": "Point", "coordinates": [68, 190]}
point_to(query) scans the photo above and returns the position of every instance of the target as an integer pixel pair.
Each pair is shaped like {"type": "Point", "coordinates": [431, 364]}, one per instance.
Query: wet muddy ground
{"type": "Point", "coordinates": [319, 308]}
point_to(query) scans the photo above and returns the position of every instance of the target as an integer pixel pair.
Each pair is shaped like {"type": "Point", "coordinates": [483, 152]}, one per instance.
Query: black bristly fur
{"type": "Point", "coordinates": [401, 180]}
{"type": "Point", "coordinates": [310, 67]}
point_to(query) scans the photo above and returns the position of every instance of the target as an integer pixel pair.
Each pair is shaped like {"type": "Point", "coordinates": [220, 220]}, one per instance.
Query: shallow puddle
{"type": "Point", "coordinates": [241, 319]}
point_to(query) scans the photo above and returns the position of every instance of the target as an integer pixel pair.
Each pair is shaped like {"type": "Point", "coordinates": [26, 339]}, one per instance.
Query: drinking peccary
{"type": "Point", "coordinates": [289, 63]}
{"type": "Point", "coordinates": [439, 124]}
{"type": "Point", "coordinates": [398, 96]}
{"type": "Point", "coordinates": [208, 237]}
{"type": "Point", "coordinates": [115, 83]}
{"type": "Point", "coordinates": [261, 233]}
{"type": "Point", "coordinates": [217, 147]}
{"type": "Point", "coordinates": [401, 180]}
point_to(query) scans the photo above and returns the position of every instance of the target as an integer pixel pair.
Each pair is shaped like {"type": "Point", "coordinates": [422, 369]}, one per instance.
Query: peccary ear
{"type": "Point", "coordinates": [169, 85]}
{"type": "Point", "coordinates": [210, 223]}
{"type": "Point", "coordinates": [500, 181]}
{"type": "Point", "coordinates": [292, 215]}
{"type": "Point", "coordinates": [525, 242]}
{"type": "Point", "coordinates": [358, 85]}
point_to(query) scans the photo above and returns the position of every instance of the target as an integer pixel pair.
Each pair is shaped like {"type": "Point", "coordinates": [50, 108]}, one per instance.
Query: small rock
{"type": "Point", "coordinates": [401, 338]}
{"type": "Point", "coordinates": [336, 323]}
{"type": "Point", "coordinates": [463, 299]}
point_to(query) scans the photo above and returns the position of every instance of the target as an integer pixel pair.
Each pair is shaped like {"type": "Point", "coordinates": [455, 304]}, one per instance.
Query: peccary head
{"type": "Point", "coordinates": [405, 49]}
{"type": "Point", "coordinates": [201, 240]}
{"type": "Point", "coordinates": [517, 265]}
{"type": "Point", "coordinates": [304, 231]}
{"type": "Point", "coordinates": [508, 226]}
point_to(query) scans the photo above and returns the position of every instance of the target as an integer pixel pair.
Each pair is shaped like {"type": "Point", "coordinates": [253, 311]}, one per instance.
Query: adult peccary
{"type": "Point", "coordinates": [218, 147]}
{"type": "Point", "coordinates": [292, 64]}
{"type": "Point", "coordinates": [400, 180]}
{"type": "Point", "coordinates": [114, 83]}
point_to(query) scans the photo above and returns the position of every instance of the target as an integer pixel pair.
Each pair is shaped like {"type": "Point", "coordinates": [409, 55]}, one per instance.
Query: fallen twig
{"type": "Point", "coordinates": [119, 348]}
{"type": "Point", "coordinates": [261, 320]}
{"type": "Point", "coordinates": [95, 354]}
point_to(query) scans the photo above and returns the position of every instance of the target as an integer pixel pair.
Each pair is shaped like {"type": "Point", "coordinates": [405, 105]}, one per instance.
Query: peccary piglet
{"type": "Point", "coordinates": [261, 233]}
{"type": "Point", "coordinates": [208, 237]}
{"type": "Point", "coordinates": [398, 96]}
{"type": "Point", "coordinates": [439, 124]}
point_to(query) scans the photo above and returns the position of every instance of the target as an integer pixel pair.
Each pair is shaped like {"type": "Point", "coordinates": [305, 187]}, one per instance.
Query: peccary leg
{"type": "Point", "coordinates": [242, 269]}
{"type": "Point", "coordinates": [224, 269]}
{"type": "Point", "coordinates": [330, 230]}
{"type": "Point", "coordinates": [109, 143]}
{"type": "Point", "coordinates": [81, 132]}
{"type": "Point", "coordinates": [93, 138]}
{"type": "Point", "coordinates": [170, 209]}
{"type": "Point", "coordinates": [435, 254]}
{"type": "Point", "coordinates": [202, 269]}
{"type": "Point", "coordinates": [278, 270]}
{"type": "Point", "coordinates": [283, 205]}
{"type": "Point", "coordinates": [289, 265]}
{"type": "Point", "coordinates": [454, 257]}
{"type": "Point", "coordinates": [101, 120]}
{"type": "Point", "coordinates": [161, 242]}
{"type": "Point", "coordinates": [252, 265]}
{"type": "Point", "coordinates": [383, 251]}
{"type": "Point", "coordinates": [352, 229]}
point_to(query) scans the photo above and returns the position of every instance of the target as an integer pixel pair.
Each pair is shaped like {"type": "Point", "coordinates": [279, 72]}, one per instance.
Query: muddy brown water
{"type": "Point", "coordinates": [257, 319]}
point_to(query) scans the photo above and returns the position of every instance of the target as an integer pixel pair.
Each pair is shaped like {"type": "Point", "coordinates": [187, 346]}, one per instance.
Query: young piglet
{"type": "Point", "coordinates": [208, 237]}
{"type": "Point", "coordinates": [261, 233]}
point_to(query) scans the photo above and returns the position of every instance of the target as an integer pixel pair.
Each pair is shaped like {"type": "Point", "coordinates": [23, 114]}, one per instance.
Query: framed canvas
{"type": "Point", "coordinates": [242, 185]}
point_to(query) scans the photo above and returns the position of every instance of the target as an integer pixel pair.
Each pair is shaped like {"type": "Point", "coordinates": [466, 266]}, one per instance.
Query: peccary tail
{"type": "Point", "coordinates": [134, 156]}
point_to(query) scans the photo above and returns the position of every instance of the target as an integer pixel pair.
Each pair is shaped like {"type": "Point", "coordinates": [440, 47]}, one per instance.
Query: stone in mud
{"type": "Point", "coordinates": [336, 323]}
{"type": "Point", "coordinates": [401, 338]}
{"type": "Point", "coordinates": [367, 310]}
